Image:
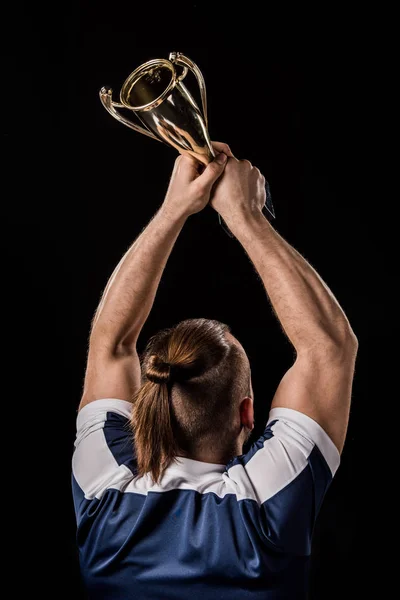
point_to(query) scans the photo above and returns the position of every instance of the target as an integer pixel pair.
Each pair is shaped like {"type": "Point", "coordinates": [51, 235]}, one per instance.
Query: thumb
{"type": "Point", "coordinates": [212, 171]}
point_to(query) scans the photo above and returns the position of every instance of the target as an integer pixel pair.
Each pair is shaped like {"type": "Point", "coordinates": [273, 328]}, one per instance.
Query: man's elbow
{"type": "Point", "coordinates": [338, 346]}
{"type": "Point", "coordinates": [347, 339]}
{"type": "Point", "coordinates": [343, 346]}
{"type": "Point", "coordinates": [352, 341]}
{"type": "Point", "coordinates": [112, 344]}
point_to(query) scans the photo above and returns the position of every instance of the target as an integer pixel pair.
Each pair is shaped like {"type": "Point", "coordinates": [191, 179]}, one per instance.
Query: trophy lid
{"type": "Point", "coordinates": [148, 85]}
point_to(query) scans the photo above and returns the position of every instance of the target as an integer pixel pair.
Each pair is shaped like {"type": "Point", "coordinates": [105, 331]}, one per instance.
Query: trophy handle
{"type": "Point", "coordinates": [183, 61]}
{"type": "Point", "coordinates": [106, 100]}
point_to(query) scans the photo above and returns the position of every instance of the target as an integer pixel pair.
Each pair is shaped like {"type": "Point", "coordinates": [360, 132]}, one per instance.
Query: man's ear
{"type": "Point", "coordinates": [247, 412]}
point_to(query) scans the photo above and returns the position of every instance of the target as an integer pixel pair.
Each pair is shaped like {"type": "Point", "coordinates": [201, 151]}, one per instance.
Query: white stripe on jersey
{"type": "Point", "coordinates": [273, 466]}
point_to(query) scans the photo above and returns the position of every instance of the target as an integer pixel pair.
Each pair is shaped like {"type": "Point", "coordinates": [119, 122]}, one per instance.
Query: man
{"type": "Point", "coordinates": [167, 506]}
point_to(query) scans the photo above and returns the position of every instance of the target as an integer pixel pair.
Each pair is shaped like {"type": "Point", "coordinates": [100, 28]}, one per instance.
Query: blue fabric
{"type": "Point", "coordinates": [243, 459]}
{"type": "Point", "coordinates": [185, 545]}
{"type": "Point", "coordinates": [289, 516]}
{"type": "Point", "coordinates": [119, 439]}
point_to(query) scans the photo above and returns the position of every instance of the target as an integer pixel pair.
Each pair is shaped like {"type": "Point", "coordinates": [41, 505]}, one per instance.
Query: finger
{"type": "Point", "coordinates": [186, 167]}
{"type": "Point", "coordinates": [246, 162]}
{"type": "Point", "coordinates": [222, 147]}
{"type": "Point", "coordinates": [212, 172]}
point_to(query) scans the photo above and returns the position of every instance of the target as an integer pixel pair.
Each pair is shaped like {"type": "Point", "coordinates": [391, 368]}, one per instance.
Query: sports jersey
{"type": "Point", "coordinates": [240, 531]}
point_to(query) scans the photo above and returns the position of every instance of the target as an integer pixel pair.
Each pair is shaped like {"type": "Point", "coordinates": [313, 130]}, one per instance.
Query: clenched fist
{"type": "Point", "coordinates": [239, 192]}
{"type": "Point", "coordinates": [190, 186]}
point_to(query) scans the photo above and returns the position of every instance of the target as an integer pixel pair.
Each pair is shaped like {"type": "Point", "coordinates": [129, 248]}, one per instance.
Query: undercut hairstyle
{"type": "Point", "coordinates": [193, 379]}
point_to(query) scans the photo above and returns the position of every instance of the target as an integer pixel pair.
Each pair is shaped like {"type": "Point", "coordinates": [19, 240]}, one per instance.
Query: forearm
{"type": "Point", "coordinates": [130, 292]}
{"type": "Point", "coordinates": [306, 308]}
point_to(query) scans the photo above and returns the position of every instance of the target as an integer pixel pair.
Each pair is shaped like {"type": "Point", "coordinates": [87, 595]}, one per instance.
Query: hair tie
{"type": "Point", "coordinates": [158, 371]}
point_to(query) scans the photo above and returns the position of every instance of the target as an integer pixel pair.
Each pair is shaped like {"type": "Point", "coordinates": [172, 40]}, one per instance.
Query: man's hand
{"type": "Point", "coordinates": [240, 192]}
{"type": "Point", "coordinates": [190, 188]}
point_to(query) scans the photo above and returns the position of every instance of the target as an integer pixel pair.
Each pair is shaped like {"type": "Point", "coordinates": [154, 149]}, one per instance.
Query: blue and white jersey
{"type": "Point", "coordinates": [240, 531]}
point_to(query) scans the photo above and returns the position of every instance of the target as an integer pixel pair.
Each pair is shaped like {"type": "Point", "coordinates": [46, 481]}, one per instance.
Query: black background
{"type": "Point", "coordinates": [292, 96]}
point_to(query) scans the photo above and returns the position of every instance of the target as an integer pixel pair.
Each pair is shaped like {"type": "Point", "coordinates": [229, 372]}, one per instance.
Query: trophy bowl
{"type": "Point", "coordinates": [155, 93]}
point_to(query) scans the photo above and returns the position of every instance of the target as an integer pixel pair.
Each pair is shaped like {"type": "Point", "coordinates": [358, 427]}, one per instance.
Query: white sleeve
{"type": "Point", "coordinates": [104, 452]}
{"type": "Point", "coordinates": [287, 471]}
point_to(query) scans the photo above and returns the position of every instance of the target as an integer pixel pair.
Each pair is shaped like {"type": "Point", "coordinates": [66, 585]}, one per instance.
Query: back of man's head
{"type": "Point", "coordinates": [194, 376]}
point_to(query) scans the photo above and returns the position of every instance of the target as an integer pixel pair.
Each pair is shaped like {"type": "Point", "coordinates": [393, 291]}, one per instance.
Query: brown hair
{"type": "Point", "coordinates": [193, 378]}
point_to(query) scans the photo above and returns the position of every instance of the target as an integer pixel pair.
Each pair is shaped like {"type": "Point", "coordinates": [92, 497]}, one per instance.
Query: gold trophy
{"type": "Point", "coordinates": [155, 93]}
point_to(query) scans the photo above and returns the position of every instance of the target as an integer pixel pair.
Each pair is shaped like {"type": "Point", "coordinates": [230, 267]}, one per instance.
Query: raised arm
{"type": "Point", "coordinates": [320, 381]}
{"type": "Point", "coordinates": [113, 369]}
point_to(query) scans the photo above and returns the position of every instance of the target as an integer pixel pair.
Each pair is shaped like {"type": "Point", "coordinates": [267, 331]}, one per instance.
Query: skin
{"type": "Point", "coordinates": [244, 420]}
{"type": "Point", "coordinates": [113, 367]}
{"type": "Point", "coordinates": [319, 382]}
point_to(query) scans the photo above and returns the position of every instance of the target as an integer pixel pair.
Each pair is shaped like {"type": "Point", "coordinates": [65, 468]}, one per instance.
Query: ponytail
{"type": "Point", "coordinates": [151, 420]}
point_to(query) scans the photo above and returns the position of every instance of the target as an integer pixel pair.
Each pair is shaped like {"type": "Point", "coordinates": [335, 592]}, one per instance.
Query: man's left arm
{"type": "Point", "coordinates": [113, 368]}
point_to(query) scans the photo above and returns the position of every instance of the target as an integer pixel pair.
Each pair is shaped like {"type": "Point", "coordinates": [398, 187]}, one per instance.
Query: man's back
{"type": "Point", "coordinates": [240, 531]}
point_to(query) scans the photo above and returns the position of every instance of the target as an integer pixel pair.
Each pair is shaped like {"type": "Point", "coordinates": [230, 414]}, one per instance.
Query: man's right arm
{"type": "Point", "coordinates": [319, 383]}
